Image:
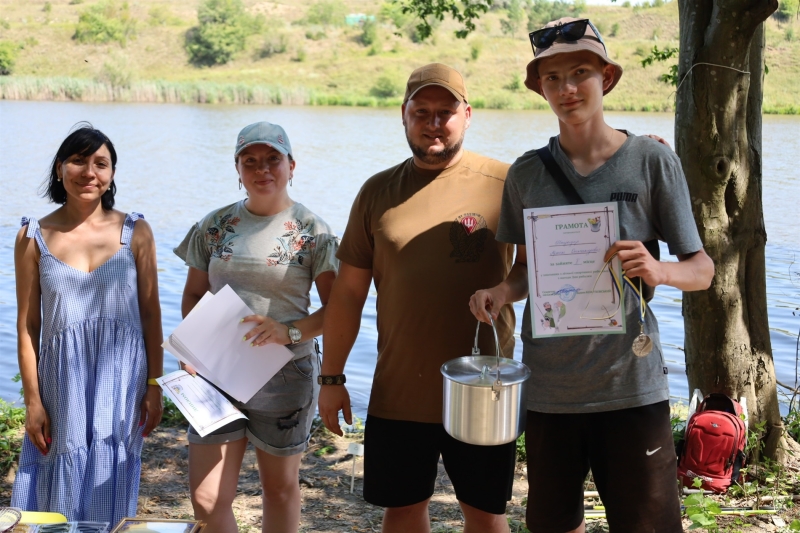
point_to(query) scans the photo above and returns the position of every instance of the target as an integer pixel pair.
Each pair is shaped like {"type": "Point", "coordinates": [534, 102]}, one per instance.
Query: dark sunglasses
{"type": "Point", "coordinates": [570, 32]}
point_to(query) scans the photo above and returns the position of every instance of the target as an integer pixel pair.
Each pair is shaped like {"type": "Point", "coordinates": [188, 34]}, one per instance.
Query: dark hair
{"type": "Point", "coordinates": [84, 141]}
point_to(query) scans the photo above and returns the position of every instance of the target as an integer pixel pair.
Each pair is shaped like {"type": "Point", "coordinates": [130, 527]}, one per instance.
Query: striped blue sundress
{"type": "Point", "coordinates": [92, 378]}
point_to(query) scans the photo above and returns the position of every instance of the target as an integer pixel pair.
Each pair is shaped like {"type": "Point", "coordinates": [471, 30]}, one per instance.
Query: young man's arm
{"type": "Point", "coordinates": [512, 289]}
{"type": "Point", "coordinates": [339, 332]}
{"type": "Point", "coordinates": [692, 272]}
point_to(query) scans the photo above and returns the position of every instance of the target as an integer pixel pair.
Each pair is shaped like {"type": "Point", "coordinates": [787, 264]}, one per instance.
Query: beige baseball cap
{"type": "Point", "coordinates": [590, 42]}
{"type": "Point", "coordinates": [436, 74]}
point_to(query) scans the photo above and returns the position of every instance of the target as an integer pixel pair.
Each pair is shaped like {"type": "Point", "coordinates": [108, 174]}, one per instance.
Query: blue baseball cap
{"type": "Point", "coordinates": [263, 133]}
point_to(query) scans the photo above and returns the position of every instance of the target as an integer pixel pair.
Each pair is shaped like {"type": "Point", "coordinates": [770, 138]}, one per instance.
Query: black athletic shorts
{"type": "Point", "coordinates": [632, 458]}
{"type": "Point", "coordinates": [401, 461]}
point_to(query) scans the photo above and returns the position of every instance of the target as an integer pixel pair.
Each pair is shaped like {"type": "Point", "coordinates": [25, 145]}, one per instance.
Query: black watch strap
{"type": "Point", "coordinates": [332, 380]}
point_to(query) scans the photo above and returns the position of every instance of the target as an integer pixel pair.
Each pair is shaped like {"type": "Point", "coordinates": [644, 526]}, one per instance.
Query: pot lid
{"type": "Point", "coordinates": [481, 371]}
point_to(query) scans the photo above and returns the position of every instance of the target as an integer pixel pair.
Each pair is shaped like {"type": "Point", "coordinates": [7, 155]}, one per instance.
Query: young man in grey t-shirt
{"type": "Point", "coordinates": [592, 403]}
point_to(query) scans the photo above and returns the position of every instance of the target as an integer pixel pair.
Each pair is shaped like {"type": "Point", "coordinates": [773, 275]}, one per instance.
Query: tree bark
{"type": "Point", "coordinates": [718, 138]}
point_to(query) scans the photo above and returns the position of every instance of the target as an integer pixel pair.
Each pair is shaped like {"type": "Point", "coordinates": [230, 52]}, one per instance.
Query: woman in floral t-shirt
{"type": "Point", "coordinates": [269, 249]}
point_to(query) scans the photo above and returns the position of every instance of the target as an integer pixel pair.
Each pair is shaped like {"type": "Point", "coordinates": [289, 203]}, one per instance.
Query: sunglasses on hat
{"type": "Point", "coordinates": [570, 32]}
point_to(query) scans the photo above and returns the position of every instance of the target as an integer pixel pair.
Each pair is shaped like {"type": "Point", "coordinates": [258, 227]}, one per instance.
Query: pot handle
{"type": "Point", "coordinates": [477, 351]}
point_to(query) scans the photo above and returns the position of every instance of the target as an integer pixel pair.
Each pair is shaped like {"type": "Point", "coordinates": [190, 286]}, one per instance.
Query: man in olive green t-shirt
{"type": "Point", "coordinates": [424, 231]}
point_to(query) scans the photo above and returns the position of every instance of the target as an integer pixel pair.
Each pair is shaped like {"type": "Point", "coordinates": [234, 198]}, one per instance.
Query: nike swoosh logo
{"type": "Point", "coordinates": [648, 452]}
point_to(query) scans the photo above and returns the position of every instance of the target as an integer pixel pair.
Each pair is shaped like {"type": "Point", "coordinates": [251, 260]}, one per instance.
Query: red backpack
{"type": "Point", "coordinates": [713, 446]}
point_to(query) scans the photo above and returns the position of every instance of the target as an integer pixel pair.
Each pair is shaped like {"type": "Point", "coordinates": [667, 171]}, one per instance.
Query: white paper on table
{"type": "Point", "coordinates": [211, 336]}
{"type": "Point", "coordinates": [204, 407]}
{"type": "Point", "coordinates": [570, 292]}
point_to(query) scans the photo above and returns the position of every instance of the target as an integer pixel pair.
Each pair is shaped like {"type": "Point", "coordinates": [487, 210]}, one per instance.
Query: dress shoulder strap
{"type": "Point", "coordinates": [33, 226]}
{"type": "Point", "coordinates": [127, 228]}
{"type": "Point", "coordinates": [35, 233]}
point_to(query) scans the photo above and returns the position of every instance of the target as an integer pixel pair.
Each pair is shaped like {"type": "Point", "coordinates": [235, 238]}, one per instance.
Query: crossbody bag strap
{"type": "Point", "coordinates": [558, 176]}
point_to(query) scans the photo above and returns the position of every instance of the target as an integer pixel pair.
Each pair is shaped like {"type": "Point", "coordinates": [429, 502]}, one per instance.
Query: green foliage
{"type": "Point", "coordinates": [626, 3]}
{"type": "Point", "coordinates": [614, 30]}
{"type": "Point", "coordinates": [426, 12]}
{"type": "Point", "coordinates": [385, 87]}
{"type": "Point", "coordinates": [325, 450]}
{"type": "Point", "coordinates": [540, 12]}
{"type": "Point", "coordinates": [369, 32]}
{"type": "Point", "coordinates": [223, 30]}
{"type": "Point", "coordinates": [105, 22]}
{"type": "Point", "coordinates": [515, 84]}
{"type": "Point", "coordinates": [326, 13]}
{"type": "Point", "coordinates": [702, 510]}
{"type": "Point", "coordinates": [522, 455]}
{"type": "Point", "coordinates": [274, 43]}
{"type": "Point", "coordinates": [795, 525]}
{"type": "Point", "coordinates": [789, 34]}
{"type": "Point", "coordinates": [315, 35]}
{"type": "Point", "coordinates": [658, 56]}
{"type": "Point", "coordinates": [12, 423]}
{"type": "Point", "coordinates": [678, 424]}
{"type": "Point", "coordinates": [475, 49]}
{"type": "Point", "coordinates": [300, 56]}
{"type": "Point", "coordinates": [48, 8]}
{"type": "Point", "coordinates": [8, 57]}
{"type": "Point", "coordinates": [116, 73]}
{"type": "Point", "coordinates": [392, 12]}
{"type": "Point", "coordinates": [160, 15]}
{"type": "Point", "coordinates": [515, 14]}
{"type": "Point", "coordinates": [172, 416]}
{"type": "Point", "coordinates": [787, 9]}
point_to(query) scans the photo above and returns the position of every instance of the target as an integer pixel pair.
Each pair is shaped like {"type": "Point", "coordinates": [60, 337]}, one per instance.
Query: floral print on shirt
{"type": "Point", "coordinates": [295, 245]}
{"type": "Point", "coordinates": [219, 236]}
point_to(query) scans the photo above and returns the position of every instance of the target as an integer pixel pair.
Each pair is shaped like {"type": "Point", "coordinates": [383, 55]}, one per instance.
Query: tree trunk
{"type": "Point", "coordinates": [718, 138]}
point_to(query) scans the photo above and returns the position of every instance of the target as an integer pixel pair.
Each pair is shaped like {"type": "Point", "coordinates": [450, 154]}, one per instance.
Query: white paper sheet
{"type": "Point", "coordinates": [210, 339]}
{"type": "Point", "coordinates": [203, 406]}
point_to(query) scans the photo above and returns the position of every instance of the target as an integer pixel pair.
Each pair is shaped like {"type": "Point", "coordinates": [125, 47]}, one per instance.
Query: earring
{"type": "Point", "coordinates": [240, 184]}
{"type": "Point", "coordinates": [290, 181]}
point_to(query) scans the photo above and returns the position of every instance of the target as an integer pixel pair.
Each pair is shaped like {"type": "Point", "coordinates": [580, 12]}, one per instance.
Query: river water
{"type": "Point", "coordinates": [175, 165]}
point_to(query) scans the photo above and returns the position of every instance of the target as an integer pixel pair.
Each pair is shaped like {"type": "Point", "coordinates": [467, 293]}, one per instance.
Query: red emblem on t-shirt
{"type": "Point", "coordinates": [469, 223]}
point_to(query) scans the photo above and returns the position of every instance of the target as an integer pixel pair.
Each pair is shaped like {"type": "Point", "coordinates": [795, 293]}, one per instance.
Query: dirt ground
{"type": "Point", "coordinates": [328, 505]}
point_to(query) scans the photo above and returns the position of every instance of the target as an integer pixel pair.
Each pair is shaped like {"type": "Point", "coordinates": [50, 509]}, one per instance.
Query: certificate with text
{"type": "Point", "coordinates": [204, 407]}
{"type": "Point", "coordinates": [572, 291]}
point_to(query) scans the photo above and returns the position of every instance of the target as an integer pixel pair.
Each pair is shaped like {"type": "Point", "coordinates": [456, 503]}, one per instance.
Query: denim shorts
{"type": "Point", "coordinates": [279, 415]}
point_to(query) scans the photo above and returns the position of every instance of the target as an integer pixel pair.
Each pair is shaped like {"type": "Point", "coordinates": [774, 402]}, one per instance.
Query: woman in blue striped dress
{"type": "Point", "coordinates": [89, 337]}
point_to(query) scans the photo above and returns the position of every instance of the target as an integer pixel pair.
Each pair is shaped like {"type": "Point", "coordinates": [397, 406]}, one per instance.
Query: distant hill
{"type": "Point", "coordinates": [301, 52]}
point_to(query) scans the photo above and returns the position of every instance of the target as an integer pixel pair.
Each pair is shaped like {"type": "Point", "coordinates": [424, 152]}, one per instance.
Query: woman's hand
{"type": "Point", "coordinates": [37, 426]}
{"type": "Point", "coordinates": [266, 331]}
{"type": "Point", "coordinates": [152, 409]}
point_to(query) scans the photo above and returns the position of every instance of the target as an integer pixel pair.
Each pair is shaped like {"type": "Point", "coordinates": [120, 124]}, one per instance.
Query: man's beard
{"type": "Point", "coordinates": [446, 154]}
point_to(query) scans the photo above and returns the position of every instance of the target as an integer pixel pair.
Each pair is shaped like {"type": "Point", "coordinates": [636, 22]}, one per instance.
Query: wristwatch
{"type": "Point", "coordinates": [294, 334]}
{"type": "Point", "coordinates": [332, 380]}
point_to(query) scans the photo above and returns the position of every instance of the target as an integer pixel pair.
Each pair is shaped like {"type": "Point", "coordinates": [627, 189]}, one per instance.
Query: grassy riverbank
{"type": "Point", "coordinates": [289, 60]}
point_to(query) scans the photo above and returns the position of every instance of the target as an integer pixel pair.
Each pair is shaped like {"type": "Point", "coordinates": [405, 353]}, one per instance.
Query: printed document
{"type": "Point", "coordinates": [572, 291]}
{"type": "Point", "coordinates": [204, 407]}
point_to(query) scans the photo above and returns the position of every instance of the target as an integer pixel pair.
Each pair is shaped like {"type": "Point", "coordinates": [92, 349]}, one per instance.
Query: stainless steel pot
{"type": "Point", "coordinates": [484, 396]}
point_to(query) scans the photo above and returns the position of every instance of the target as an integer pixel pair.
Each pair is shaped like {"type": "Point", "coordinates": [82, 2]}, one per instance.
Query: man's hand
{"type": "Point", "coordinates": [659, 139]}
{"type": "Point", "coordinates": [637, 262]}
{"type": "Point", "coordinates": [332, 399]}
{"type": "Point", "coordinates": [486, 301]}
